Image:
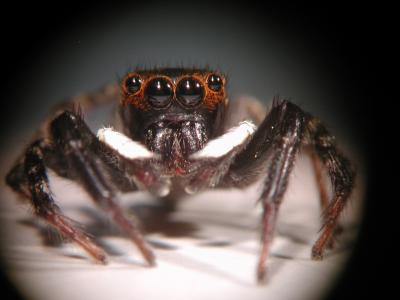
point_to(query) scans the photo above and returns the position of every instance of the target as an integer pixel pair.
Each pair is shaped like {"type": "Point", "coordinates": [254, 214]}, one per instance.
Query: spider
{"type": "Point", "coordinates": [178, 134]}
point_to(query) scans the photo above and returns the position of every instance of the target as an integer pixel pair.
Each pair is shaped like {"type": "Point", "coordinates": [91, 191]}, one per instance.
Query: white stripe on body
{"type": "Point", "coordinates": [125, 146]}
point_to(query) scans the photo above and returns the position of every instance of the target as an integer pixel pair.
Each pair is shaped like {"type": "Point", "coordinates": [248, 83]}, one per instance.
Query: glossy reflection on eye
{"type": "Point", "coordinates": [159, 92]}
{"type": "Point", "coordinates": [189, 92]}
{"type": "Point", "coordinates": [215, 82]}
{"type": "Point", "coordinates": [133, 84]}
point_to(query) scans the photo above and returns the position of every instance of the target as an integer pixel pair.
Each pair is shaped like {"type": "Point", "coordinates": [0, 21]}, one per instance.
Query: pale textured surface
{"type": "Point", "coordinates": [207, 249]}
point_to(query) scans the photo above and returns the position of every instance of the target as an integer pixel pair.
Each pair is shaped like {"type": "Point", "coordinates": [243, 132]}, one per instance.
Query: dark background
{"type": "Point", "coordinates": [322, 57]}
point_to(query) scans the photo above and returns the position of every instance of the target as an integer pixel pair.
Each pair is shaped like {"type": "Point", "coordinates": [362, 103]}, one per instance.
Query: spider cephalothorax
{"type": "Point", "coordinates": [178, 134]}
{"type": "Point", "coordinates": [174, 112]}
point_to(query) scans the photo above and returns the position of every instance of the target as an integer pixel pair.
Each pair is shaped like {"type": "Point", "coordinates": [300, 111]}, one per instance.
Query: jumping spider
{"type": "Point", "coordinates": [178, 135]}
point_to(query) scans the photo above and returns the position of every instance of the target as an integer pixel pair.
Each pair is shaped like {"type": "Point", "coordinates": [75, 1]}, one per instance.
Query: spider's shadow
{"type": "Point", "coordinates": [158, 219]}
{"type": "Point", "coordinates": [153, 219]}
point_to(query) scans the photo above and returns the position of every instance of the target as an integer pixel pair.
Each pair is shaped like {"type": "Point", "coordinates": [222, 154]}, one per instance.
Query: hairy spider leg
{"type": "Point", "coordinates": [30, 177]}
{"type": "Point", "coordinates": [323, 193]}
{"type": "Point", "coordinates": [86, 159]}
{"type": "Point", "coordinates": [342, 177]}
{"type": "Point", "coordinates": [84, 151]}
{"type": "Point", "coordinates": [280, 134]}
{"type": "Point", "coordinates": [319, 177]}
{"type": "Point", "coordinates": [272, 150]}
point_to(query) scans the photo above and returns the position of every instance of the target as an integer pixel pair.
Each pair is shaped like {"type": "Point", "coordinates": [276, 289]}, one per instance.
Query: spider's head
{"type": "Point", "coordinates": [164, 89]}
{"type": "Point", "coordinates": [167, 108]}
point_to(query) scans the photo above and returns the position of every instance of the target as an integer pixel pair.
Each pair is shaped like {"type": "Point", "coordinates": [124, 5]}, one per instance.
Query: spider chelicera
{"type": "Point", "coordinates": [178, 134]}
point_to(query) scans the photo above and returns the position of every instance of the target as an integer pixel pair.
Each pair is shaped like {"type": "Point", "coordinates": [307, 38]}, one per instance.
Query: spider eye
{"type": "Point", "coordinates": [133, 84]}
{"type": "Point", "coordinates": [189, 92]}
{"type": "Point", "coordinates": [214, 82]}
{"type": "Point", "coordinates": [159, 92]}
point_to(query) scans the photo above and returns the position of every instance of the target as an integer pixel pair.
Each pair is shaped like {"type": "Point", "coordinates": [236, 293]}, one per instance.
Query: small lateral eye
{"type": "Point", "coordinates": [189, 92]}
{"type": "Point", "coordinates": [214, 82]}
{"type": "Point", "coordinates": [159, 92]}
{"type": "Point", "coordinates": [133, 84]}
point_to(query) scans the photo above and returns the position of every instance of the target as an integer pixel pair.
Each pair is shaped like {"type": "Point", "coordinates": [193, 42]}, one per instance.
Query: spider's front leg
{"type": "Point", "coordinates": [76, 153]}
{"type": "Point", "coordinates": [272, 151]}
{"type": "Point", "coordinates": [29, 178]}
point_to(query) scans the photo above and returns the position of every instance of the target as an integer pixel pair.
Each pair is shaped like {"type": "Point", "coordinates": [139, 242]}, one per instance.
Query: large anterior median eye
{"type": "Point", "coordinates": [189, 92]}
{"type": "Point", "coordinates": [159, 92]}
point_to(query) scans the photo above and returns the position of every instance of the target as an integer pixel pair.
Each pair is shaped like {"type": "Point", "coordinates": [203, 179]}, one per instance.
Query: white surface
{"type": "Point", "coordinates": [213, 257]}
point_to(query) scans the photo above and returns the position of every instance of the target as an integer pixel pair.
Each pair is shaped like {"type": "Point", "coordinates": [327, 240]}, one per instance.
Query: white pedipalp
{"type": "Point", "coordinates": [222, 145]}
{"type": "Point", "coordinates": [125, 146]}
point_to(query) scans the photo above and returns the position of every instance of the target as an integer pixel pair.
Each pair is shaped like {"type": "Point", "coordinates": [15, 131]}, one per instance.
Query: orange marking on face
{"type": "Point", "coordinates": [213, 98]}
{"type": "Point", "coordinates": [138, 98]}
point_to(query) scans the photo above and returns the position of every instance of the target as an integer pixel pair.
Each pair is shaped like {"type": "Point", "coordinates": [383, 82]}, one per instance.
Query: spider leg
{"type": "Point", "coordinates": [76, 153]}
{"type": "Point", "coordinates": [17, 179]}
{"type": "Point", "coordinates": [272, 151]}
{"type": "Point", "coordinates": [323, 194]}
{"type": "Point", "coordinates": [16, 176]}
{"type": "Point", "coordinates": [87, 158]}
{"type": "Point", "coordinates": [342, 178]}
{"type": "Point", "coordinates": [31, 178]}
{"type": "Point", "coordinates": [319, 176]}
